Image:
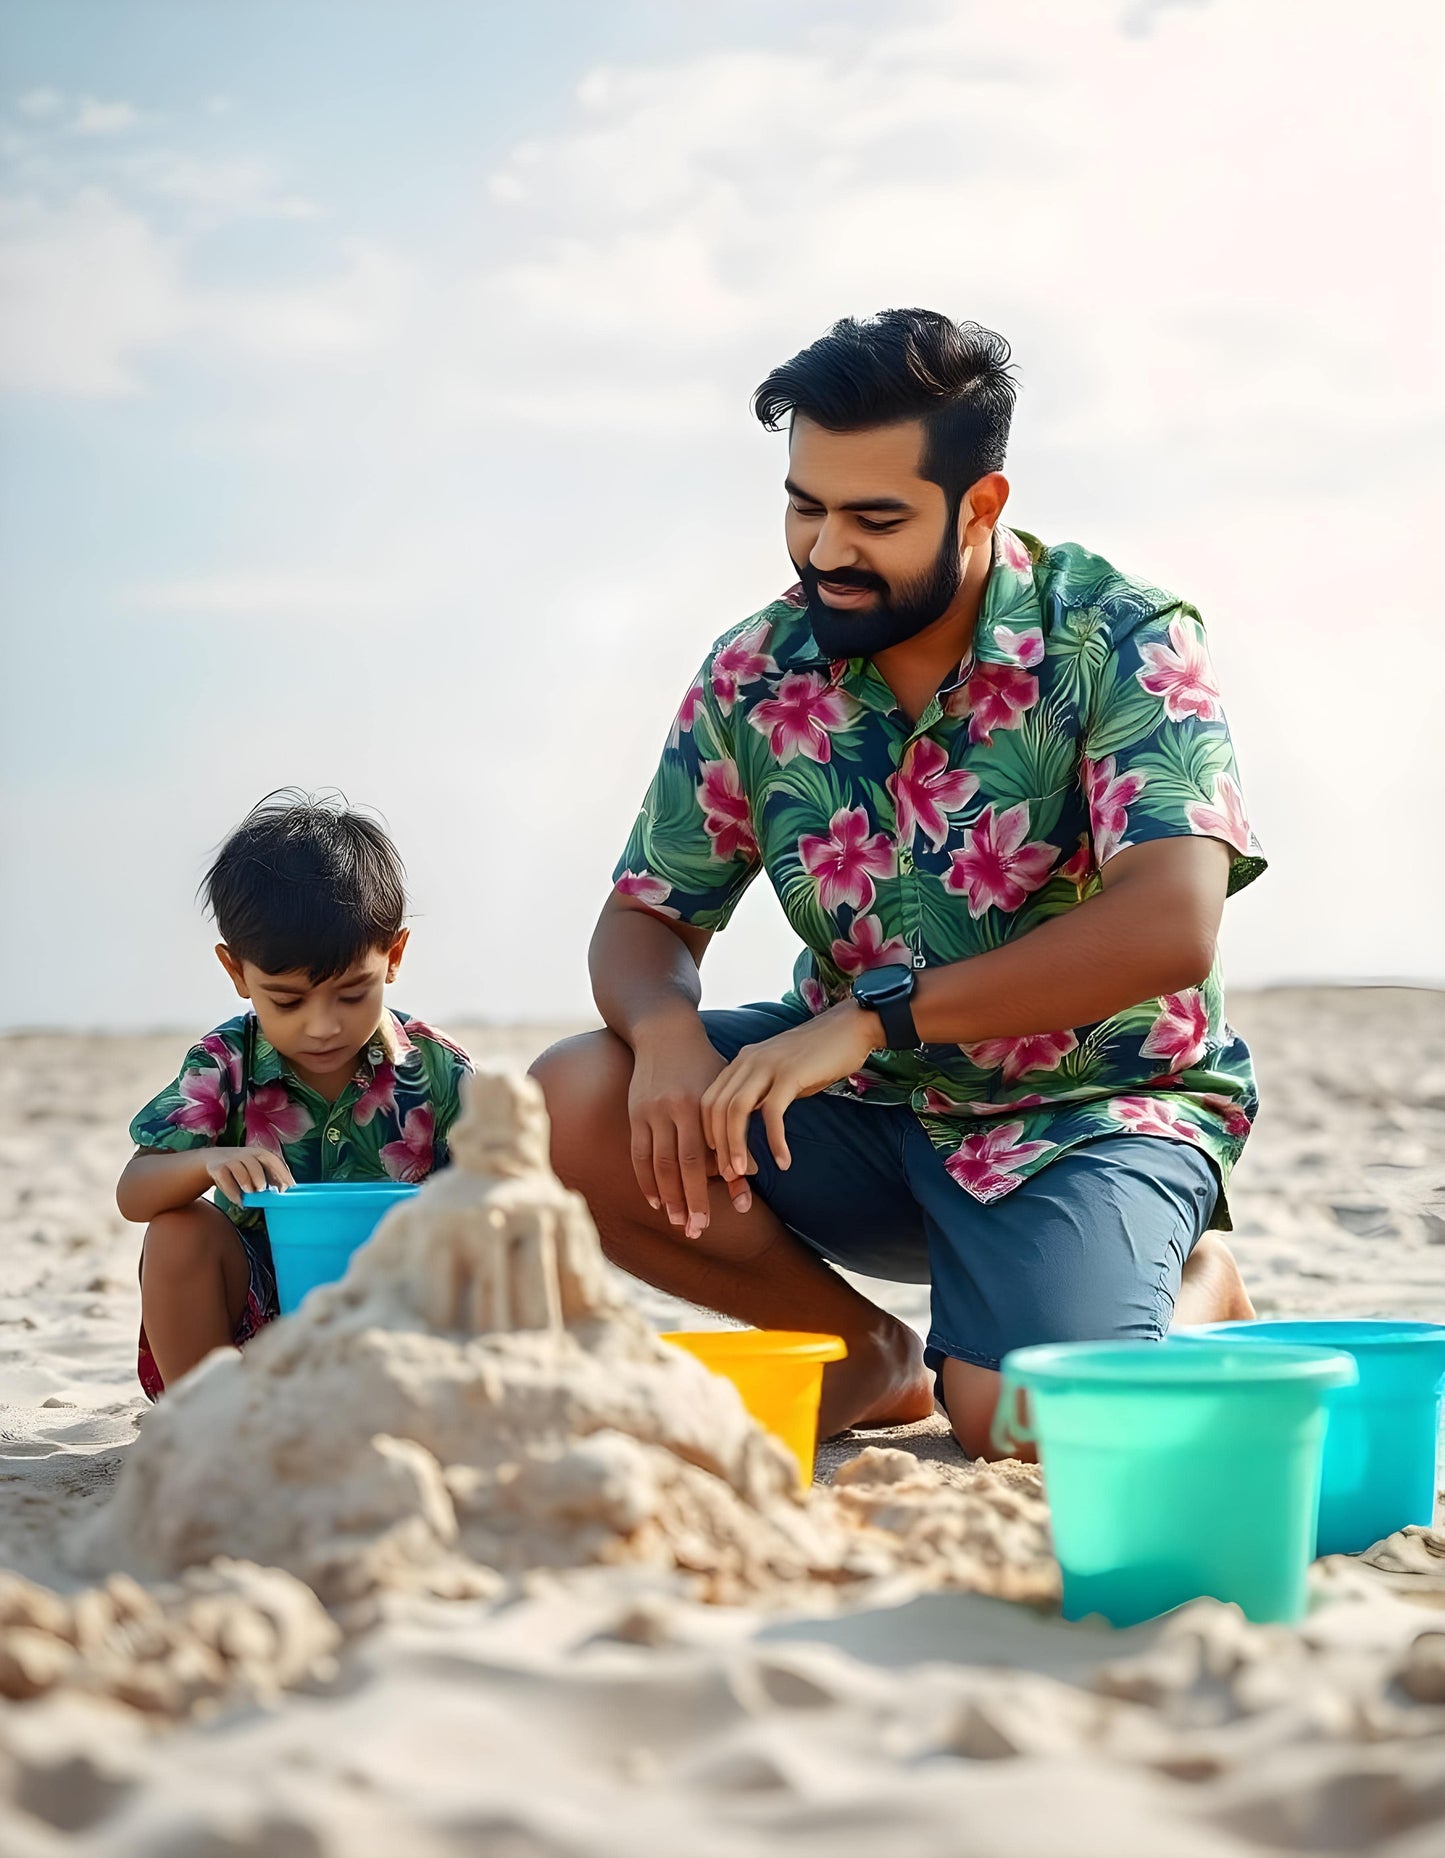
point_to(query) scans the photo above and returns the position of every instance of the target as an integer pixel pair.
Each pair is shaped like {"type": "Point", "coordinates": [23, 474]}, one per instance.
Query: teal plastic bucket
{"type": "Point", "coordinates": [1175, 1470]}
{"type": "Point", "coordinates": [315, 1226]}
{"type": "Point", "coordinates": [1383, 1433]}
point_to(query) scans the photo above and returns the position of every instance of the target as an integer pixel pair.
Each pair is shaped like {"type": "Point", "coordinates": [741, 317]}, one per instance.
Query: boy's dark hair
{"type": "Point", "coordinates": [905, 364]}
{"type": "Point", "coordinates": [306, 883]}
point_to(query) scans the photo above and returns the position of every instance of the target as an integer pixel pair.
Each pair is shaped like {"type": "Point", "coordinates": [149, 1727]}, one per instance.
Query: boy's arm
{"type": "Point", "coordinates": [154, 1181]}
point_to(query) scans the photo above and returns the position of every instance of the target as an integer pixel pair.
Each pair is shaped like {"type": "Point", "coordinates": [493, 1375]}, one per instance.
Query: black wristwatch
{"type": "Point", "coordinates": [888, 992]}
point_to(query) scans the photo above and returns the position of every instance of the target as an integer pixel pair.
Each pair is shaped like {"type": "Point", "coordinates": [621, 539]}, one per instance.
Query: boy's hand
{"type": "Point", "coordinates": [238, 1171]}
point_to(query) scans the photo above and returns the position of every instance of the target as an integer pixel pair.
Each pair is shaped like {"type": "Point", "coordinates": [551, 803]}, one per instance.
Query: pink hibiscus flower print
{"type": "Point", "coordinates": [1009, 552]}
{"type": "Point", "coordinates": [814, 995]}
{"type": "Point", "coordinates": [1005, 1109]}
{"type": "Point", "coordinates": [996, 696]}
{"type": "Point", "coordinates": [986, 1164]}
{"type": "Point", "coordinates": [207, 1102]}
{"type": "Point", "coordinates": [686, 716]}
{"type": "Point", "coordinates": [741, 661]}
{"type": "Point", "coordinates": [925, 792]}
{"type": "Point", "coordinates": [1024, 646]}
{"type": "Point", "coordinates": [1180, 1033]}
{"type": "Point", "coordinates": [847, 861]}
{"type": "Point", "coordinates": [651, 892]}
{"type": "Point", "coordinates": [380, 1094]}
{"type": "Point", "coordinates": [1225, 818]}
{"type": "Point", "coordinates": [410, 1159]}
{"type": "Point", "coordinates": [726, 816]}
{"type": "Point", "coordinates": [801, 718]}
{"type": "Point", "coordinates": [273, 1120]}
{"type": "Point", "coordinates": [866, 948]}
{"type": "Point", "coordinates": [1151, 1116]}
{"type": "Point", "coordinates": [226, 1057]}
{"type": "Point", "coordinates": [1236, 1120]}
{"type": "Point", "coordinates": [1080, 868]}
{"type": "Point", "coordinates": [1034, 1051]}
{"type": "Point", "coordinates": [1183, 676]}
{"type": "Point", "coordinates": [996, 868]}
{"type": "Point", "coordinates": [1110, 795]}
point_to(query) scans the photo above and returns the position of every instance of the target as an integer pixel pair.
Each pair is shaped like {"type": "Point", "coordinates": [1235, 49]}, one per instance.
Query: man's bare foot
{"type": "Point", "coordinates": [1211, 1289]}
{"type": "Point", "coordinates": [883, 1382]}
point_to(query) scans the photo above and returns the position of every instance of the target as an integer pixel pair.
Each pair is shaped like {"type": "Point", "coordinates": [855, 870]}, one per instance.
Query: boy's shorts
{"type": "Point", "coordinates": [1090, 1249]}
{"type": "Point", "coordinates": [261, 1308]}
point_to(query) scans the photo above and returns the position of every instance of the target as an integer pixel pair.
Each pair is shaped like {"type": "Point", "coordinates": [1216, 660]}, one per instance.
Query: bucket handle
{"type": "Point", "coordinates": [1010, 1428]}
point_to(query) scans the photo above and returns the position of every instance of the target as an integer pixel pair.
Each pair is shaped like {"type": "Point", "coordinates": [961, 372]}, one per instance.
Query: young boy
{"type": "Point", "coordinates": [319, 1081]}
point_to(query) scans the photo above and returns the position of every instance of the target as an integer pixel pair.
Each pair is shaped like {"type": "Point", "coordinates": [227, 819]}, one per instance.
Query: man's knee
{"type": "Point", "coordinates": [585, 1081]}
{"type": "Point", "coordinates": [972, 1395]}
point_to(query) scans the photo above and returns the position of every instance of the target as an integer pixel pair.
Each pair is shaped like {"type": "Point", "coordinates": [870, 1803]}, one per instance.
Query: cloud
{"type": "Point", "coordinates": [86, 288]}
{"type": "Point", "coordinates": [92, 117]}
{"type": "Point", "coordinates": [40, 103]}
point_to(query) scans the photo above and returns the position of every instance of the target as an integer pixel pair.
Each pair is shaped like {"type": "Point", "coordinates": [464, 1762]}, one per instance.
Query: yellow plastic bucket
{"type": "Point", "coordinates": [778, 1373]}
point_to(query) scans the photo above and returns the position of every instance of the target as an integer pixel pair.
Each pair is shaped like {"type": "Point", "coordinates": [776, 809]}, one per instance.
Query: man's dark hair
{"type": "Point", "coordinates": [306, 883]}
{"type": "Point", "coordinates": [900, 365]}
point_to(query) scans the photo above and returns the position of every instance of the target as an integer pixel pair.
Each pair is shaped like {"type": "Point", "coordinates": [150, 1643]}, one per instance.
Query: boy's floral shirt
{"type": "Point", "coordinates": [391, 1122]}
{"type": "Point", "coordinates": [1085, 719]}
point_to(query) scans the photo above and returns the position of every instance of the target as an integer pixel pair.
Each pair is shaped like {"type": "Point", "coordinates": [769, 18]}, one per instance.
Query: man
{"type": "Point", "coordinates": [993, 787]}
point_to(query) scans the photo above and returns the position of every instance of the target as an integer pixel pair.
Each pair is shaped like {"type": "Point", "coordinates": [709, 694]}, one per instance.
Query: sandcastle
{"type": "Point", "coordinates": [478, 1398]}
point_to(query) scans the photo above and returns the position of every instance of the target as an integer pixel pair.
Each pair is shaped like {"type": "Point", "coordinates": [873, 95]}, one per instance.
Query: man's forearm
{"type": "Point", "coordinates": [645, 979]}
{"type": "Point", "coordinates": [1129, 943]}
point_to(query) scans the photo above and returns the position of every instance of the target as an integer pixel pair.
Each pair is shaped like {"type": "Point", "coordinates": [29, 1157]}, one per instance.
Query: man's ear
{"type": "Point", "coordinates": [395, 953]}
{"type": "Point", "coordinates": [234, 968]}
{"type": "Point", "coordinates": [981, 509]}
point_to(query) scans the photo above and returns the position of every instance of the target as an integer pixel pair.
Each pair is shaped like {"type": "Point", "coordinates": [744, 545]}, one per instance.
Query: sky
{"type": "Point", "coordinates": [374, 389]}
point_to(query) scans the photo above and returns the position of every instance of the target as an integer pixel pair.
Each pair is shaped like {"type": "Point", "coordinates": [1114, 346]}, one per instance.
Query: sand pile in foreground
{"type": "Point", "coordinates": [477, 1399]}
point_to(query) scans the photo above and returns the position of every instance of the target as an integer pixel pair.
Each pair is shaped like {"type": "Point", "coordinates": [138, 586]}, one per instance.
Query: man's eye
{"type": "Point", "coordinates": [886, 528]}
{"type": "Point", "coordinates": [812, 515]}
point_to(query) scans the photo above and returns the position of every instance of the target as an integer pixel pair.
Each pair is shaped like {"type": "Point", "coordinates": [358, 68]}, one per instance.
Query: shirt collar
{"type": "Point", "coordinates": [390, 1045]}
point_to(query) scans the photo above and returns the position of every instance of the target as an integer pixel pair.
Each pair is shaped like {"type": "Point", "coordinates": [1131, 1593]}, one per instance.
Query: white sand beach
{"type": "Point", "coordinates": [550, 1663]}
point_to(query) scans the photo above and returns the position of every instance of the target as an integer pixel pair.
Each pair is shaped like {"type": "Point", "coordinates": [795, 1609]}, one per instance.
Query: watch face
{"type": "Point", "coordinates": [883, 983]}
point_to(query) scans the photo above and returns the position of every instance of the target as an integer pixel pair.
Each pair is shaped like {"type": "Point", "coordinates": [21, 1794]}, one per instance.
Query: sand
{"type": "Point", "coordinates": [570, 1684]}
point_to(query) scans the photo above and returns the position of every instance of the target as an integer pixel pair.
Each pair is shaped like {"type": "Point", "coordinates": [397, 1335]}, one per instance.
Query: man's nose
{"type": "Point", "coordinates": [832, 549]}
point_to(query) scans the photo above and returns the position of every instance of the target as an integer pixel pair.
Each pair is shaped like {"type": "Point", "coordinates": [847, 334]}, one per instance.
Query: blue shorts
{"type": "Point", "coordinates": [1090, 1249]}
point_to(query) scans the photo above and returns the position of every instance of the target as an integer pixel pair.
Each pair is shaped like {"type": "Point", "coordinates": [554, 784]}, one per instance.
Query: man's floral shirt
{"type": "Point", "coordinates": [1085, 719]}
{"type": "Point", "coordinates": [235, 1090]}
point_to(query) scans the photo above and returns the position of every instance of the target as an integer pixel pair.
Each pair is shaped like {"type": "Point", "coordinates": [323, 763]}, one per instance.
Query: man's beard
{"type": "Point", "coordinates": [899, 615]}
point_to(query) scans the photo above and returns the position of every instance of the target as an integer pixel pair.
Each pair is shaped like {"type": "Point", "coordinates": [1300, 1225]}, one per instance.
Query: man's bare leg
{"type": "Point", "coordinates": [1211, 1290]}
{"type": "Point", "coordinates": [745, 1265]}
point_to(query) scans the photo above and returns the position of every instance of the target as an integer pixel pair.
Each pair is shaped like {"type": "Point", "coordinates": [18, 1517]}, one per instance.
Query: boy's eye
{"type": "Point", "coordinates": [351, 999]}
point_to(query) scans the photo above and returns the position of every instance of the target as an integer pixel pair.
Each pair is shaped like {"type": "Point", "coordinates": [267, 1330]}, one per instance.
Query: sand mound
{"type": "Point", "coordinates": [477, 1398]}
{"type": "Point", "coordinates": [230, 1631]}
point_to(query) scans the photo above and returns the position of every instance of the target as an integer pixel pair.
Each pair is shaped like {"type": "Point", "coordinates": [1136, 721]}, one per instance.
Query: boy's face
{"type": "Point", "coordinates": [319, 1027]}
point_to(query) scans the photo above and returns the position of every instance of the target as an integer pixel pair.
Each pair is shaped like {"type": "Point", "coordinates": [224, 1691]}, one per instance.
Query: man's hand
{"type": "Point", "coordinates": [770, 1076]}
{"type": "Point", "coordinates": [670, 1153]}
{"type": "Point", "coordinates": [238, 1171]}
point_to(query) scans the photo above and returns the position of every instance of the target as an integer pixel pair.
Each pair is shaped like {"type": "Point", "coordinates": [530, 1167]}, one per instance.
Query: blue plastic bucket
{"type": "Point", "coordinates": [1381, 1442]}
{"type": "Point", "coordinates": [1176, 1470]}
{"type": "Point", "coordinates": [315, 1226]}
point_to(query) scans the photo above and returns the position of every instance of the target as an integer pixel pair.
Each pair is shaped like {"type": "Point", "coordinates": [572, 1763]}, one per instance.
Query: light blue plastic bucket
{"type": "Point", "coordinates": [1383, 1433]}
{"type": "Point", "coordinates": [1176, 1470]}
{"type": "Point", "coordinates": [315, 1226]}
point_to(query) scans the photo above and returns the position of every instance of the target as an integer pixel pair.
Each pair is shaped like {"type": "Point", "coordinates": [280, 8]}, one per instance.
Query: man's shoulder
{"type": "Point", "coordinates": [1072, 580]}
{"type": "Point", "coordinates": [766, 642]}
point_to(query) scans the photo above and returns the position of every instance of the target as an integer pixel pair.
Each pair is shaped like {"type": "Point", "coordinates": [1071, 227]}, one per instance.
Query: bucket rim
{"type": "Point", "coordinates": [757, 1344]}
{"type": "Point", "coordinates": [1407, 1331]}
{"type": "Point", "coordinates": [316, 1192]}
{"type": "Point", "coordinates": [1194, 1364]}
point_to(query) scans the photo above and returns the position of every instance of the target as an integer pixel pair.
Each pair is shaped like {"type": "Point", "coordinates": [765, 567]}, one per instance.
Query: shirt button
{"type": "Point", "coordinates": [333, 1135]}
{"type": "Point", "coordinates": [905, 861]}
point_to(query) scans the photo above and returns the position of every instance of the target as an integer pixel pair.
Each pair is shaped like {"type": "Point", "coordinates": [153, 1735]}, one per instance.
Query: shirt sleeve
{"type": "Point", "coordinates": [1158, 759]}
{"type": "Point", "coordinates": [447, 1064]}
{"type": "Point", "coordinates": [195, 1109]}
{"type": "Point", "coordinates": [693, 850]}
